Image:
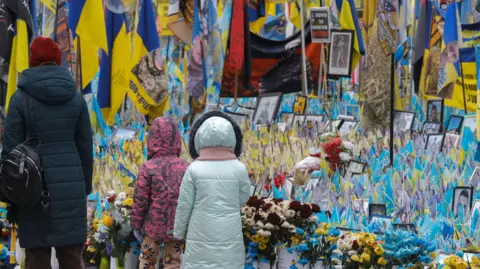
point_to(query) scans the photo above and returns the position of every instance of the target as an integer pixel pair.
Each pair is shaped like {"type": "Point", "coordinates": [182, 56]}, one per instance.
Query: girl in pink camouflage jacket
{"type": "Point", "coordinates": [156, 194]}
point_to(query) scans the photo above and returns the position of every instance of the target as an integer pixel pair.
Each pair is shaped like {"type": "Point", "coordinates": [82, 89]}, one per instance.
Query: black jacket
{"type": "Point", "coordinates": [58, 116]}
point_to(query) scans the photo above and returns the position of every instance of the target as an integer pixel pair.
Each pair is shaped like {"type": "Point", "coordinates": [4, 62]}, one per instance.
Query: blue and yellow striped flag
{"type": "Point", "coordinates": [114, 68]}
{"type": "Point", "coordinates": [83, 18]}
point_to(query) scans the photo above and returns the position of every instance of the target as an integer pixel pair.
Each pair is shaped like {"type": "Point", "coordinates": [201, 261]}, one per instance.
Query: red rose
{"type": "Point", "coordinates": [267, 187]}
{"type": "Point", "coordinates": [112, 198]}
{"type": "Point", "coordinates": [296, 205]}
{"type": "Point", "coordinates": [355, 245]}
{"type": "Point", "coordinates": [306, 211]}
{"type": "Point", "coordinates": [255, 202]}
{"type": "Point", "coordinates": [257, 217]}
{"type": "Point", "coordinates": [274, 219]}
{"type": "Point", "coordinates": [315, 208]}
{"type": "Point", "coordinates": [266, 207]}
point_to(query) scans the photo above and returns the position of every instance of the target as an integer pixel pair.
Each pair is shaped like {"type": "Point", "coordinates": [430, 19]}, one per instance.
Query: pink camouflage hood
{"type": "Point", "coordinates": [164, 138]}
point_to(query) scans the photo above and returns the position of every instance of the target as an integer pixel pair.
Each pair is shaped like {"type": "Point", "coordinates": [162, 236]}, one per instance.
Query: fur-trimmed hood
{"type": "Point", "coordinates": [215, 129]}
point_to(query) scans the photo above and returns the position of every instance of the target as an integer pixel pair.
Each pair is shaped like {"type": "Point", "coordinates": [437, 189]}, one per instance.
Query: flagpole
{"type": "Point", "coordinates": [463, 82]}
{"type": "Point", "coordinates": [302, 33]}
{"type": "Point", "coordinates": [392, 104]}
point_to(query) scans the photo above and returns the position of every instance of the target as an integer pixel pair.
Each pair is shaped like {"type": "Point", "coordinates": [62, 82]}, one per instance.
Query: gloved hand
{"type": "Point", "coordinates": [138, 235]}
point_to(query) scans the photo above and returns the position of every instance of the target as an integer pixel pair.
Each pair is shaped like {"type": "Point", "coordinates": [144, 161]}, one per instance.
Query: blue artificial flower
{"type": "Point", "coordinates": [301, 247]}
{"type": "Point", "coordinates": [134, 244]}
{"type": "Point", "coordinates": [425, 259]}
{"type": "Point", "coordinates": [334, 232]}
{"type": "Point", "coordinates": [293, 267]}
{"type": "Point", "coordinates": [253, 245]}
{"type": "Point", "coordinates": [303, 261]}
{"type": "Point", "coordinates": [459, 254]}
{"type": "Point", "coordinates": [249, 266]}
{"type": "Point", "coordinates": [431, 248]}
{"type": "Point", "coordinates": [300, 231]}
{"type": "Point", "coordinates": [109, 249]}
{"type": "Point", "coordinates": [136, 251]}
{"type": "Point", "coordinates": [289, 250]}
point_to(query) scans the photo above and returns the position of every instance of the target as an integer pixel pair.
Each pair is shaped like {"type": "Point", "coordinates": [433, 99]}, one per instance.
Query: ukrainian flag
{"type": "Point", "coordinates": [83, 18]}
{"type": "Point", "coordinates": [19, 53]}
{"type": "Point", "coordinates": [145, 40]}
{"type": "Point", "coordinates": [348, 20]}
{"type": "Point", "coordinates": [114, 68]}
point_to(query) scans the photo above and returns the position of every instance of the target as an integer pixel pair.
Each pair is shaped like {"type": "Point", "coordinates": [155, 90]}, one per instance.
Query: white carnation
{"type": "Point", "coordinates": [345, 157]}
{"type": "Point", "coordinates": [290, 213]}
{"type": "Point", "coordinates": [122, 196]}
{"type": "Point", "coordinates": [312, 219]}
{"type": "Point", "coordinates": [269, 226]}
{"type": "Point", "coordinates": [111, 193]}
{"type": "Point", "coordinates": [338, 252]}
{"type": "Point", "coordinates": [347, 145]}
{"type": "Point", "coordinates": [285, 225]}
{"type": "Point", "coordinates": [259, 224]}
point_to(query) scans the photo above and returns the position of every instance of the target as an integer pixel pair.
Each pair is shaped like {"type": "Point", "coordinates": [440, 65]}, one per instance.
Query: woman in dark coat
{"type": "Point", "coordinates": [58, 117]}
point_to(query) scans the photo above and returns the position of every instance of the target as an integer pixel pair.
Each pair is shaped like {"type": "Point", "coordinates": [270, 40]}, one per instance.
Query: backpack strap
{"type": "Point", "coordinates": [24, 97]}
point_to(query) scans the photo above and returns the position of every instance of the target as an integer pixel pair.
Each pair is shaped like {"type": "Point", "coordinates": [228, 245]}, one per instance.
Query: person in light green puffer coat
{"type": "Point", "coordinates": [214, 188]}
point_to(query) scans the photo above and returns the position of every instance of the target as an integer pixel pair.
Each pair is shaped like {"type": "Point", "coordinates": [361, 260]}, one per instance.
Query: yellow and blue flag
{"type": "Point", "coordinates": [115, 67]}
{"type": "Point", "coordinates": [22, 32]}
{"type": "Point", "coordinates": [83, 18]}
{"type": "Point", "coordinates": [348, 20]}
{"type": "Point", "coordinates": [145, 40]}
{"type": "Point", "coordinates": [450, 57]}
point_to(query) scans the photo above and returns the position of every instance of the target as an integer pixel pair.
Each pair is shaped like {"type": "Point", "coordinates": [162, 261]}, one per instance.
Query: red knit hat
{"type": "Point", "coordinates": [44, 50]}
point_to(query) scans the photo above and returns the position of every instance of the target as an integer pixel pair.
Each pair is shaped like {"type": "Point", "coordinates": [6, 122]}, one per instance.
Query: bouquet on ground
{"type": "Point", "coordinates": [319, 246]}
{"type": "Point", "coordinates": [406, 249]}
{"type": "Point", "coordinates": [336, 151]}
{"type": "Point", "coordinates": [117, 222]}
{"type": "Point", "coordinates": [269, 223]}
{"type": "Point", "coordinates": [359, 250]}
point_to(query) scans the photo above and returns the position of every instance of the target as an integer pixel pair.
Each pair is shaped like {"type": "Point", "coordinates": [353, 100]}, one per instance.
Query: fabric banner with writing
{"type": "Point", "coordinates": [7, 32]}
{"type": "Point", "coordinates": [471, 38]}
{"type": "Point", "coordinates": [276, 67]}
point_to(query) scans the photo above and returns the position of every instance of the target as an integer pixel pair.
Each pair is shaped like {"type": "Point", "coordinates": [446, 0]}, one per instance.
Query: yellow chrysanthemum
{"type": "Point", "coordinates": [256, 238]}
{"type": "Point", "coordinates": [91, 249]}
{"type": "Point", "coordinates": [108, 221]}
{"type": "Point", "coordinates": [128, 202]}
{"type": "Point", "coordinates": [321, 231]}
{"type": "Point", "coordinates": [355, 258]}
{"type": "Point", "coordinates": [476, 260]}
{"type": "Point", "coordinates": [265, 239]}
{"type": "Point", "coordinates": [92, 261]}
{"type": "Point", "coordinates": [332, 239]}
{"type": "Point", "coordinates": [262, 246]}
{"type": "Point", "coordinates": [382, 261]}
{"type": "Point", "coordinates": [365, 257]}
{"type": "Point", "coordinates": [379, 250]}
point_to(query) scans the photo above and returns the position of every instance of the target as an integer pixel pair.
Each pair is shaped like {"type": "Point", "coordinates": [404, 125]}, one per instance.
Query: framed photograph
{"type": "Point", "coordinates": [435, 110]}
{"type": "Point", "coordinates": [300, 104]}
{"type": "Point", "coordinates": [345, 117]}
{"type": "Point", "coordinates": [267, 107]}
{"type": "Point", "coordinates": [454, 123]}
{"type": "Point", "coordinates": [470, 122]}
{"type": "Point", "coordinates": [122, 133]}
{"type": "Point", "coordinates": [430, 127]}
{"type": "Point", "coordinates": [434, 142]}
{"type": "Point", "coordinates": [379, 224]}
{"type": "Point", "coordinates": [356, 167]}
{"type": "Point", "coordinates": [462, 199]}
{"type": "Point", "coordinates": [475, 178]}
{"type": "Point", "coordinates": [347, 126]}
{"type": "Point", "coordinates": [405, 226]}
{"type": "Point", "coordinates": [340, 53]}
{"type": "Point", "coordinates": [403, 121]}
{"type": "Point", "coordinates": [314, 119]}
{"type": "Point", "coordinates": [237, 117]}
{"type": "Point", "coordinates": [298, 120]}
{"type": "Point", "coordinates": [287, 118]}
{"type": "Point", "coordinates": [320, 24]}
{"type": "Point", "coordinates": [344, 230]}
{"type": "Point", "coordinates": [377, 209]}
{"type": "Point", "coordinates": [451, 141]}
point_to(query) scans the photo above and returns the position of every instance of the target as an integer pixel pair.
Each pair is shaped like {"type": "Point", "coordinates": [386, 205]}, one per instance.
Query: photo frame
{"type": "Point", "coordinates": [300, 104]}
{"type": "Point", "coordinates": [469, 122]}
{"type": "Point", "coordinates": [441, 258]}
{"type": "Point", "coordinates": [298, 120]}
{"type": "Point", "coordinates": [377, 209]}
{"type": "Point", "coordinates": [267, 108]}
{"type": "Point", "coordinates": [320, 24]}
{"type": "Point", "coordinates": [405, 226]}
{"type": "Point", "coordinates": [237, 117]}
{"type": "Point", "coordinates": [462, 197]}
{"type": "Point", "coordinates": [379, 223]}
{"type": "Point", "coordinates": [344, 230]}
{"type": "Point", "coordinates": [430, 127]}
{"type": "Point", "coordinates": [124, 133]}
{"type": "Point", "coordinates": [454, 123]}
{"type": "Point", "coordinates": [435, 110]}
{"type": "Point", "coordinates": [315, 119]}
{"type": "Point", "coordinates": [356, 167]}
{"type": "Point", "coordinates": [287, 118]}
{"type": "Point", "coordinates": [345, 117]}
{"type": "Point", "coordinates": [340, 53]}
{"type": "Point", "coordinates": [361, 205]}
{"type": "Point", "coordinates": [403, 121]}
{"type": "Point", "coordinates": [450, 141]}
{"type": "Point", "coordinates": [434, 142]}
{"type": "Point", "coordinates": [346, 126]}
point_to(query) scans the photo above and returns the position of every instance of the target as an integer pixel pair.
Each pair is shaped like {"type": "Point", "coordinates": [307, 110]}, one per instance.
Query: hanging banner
{"type": "Point", "coordinates": [477, 60]}
{"type": "Point", "coordinates": [320, 24]}
{"type": "Point", "coordinates": [387, 25]}
{"type": "Point", "coordinates": [471, 38]}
